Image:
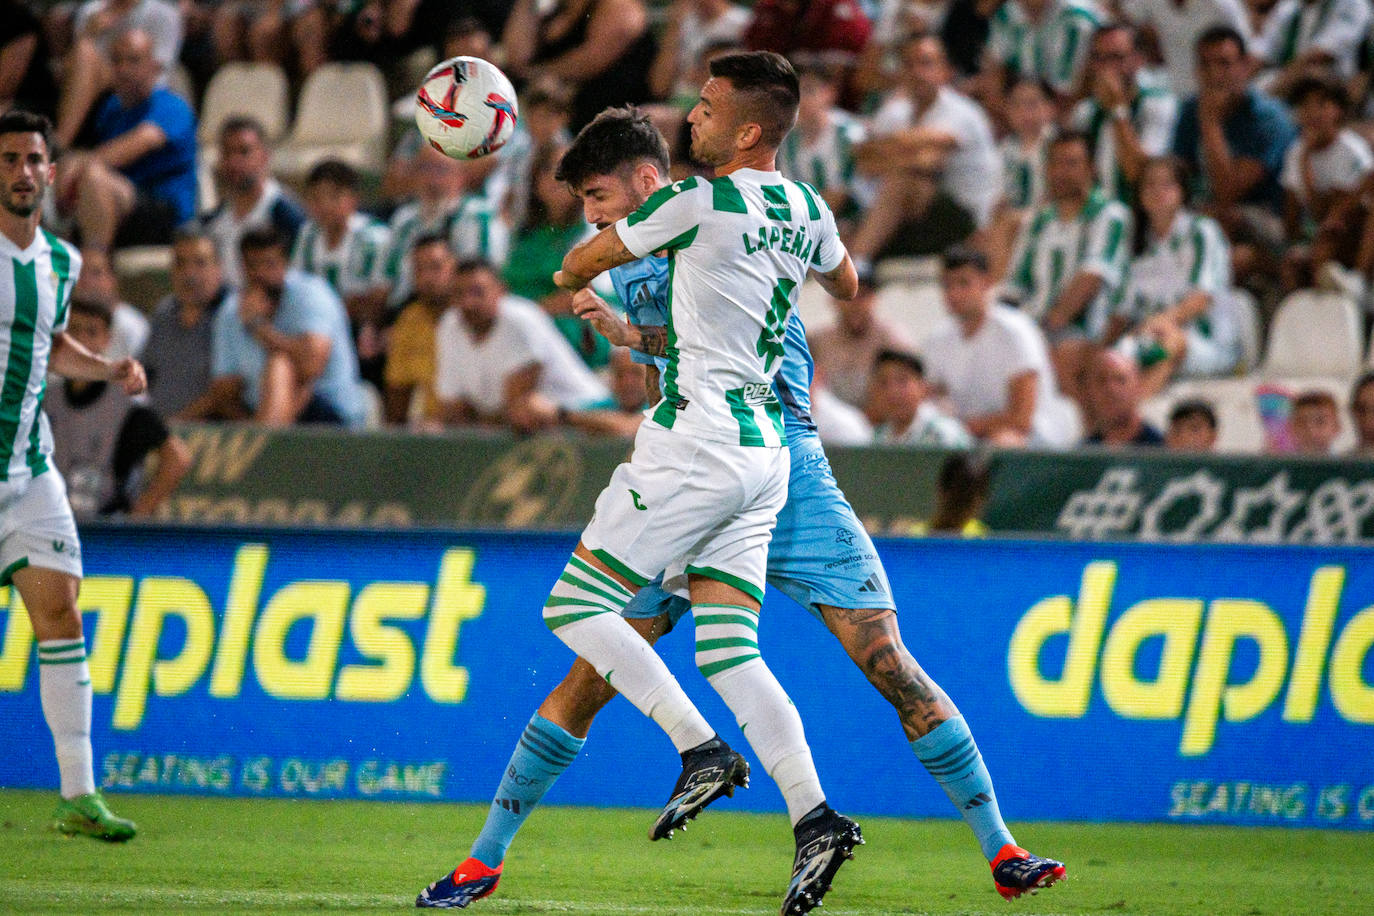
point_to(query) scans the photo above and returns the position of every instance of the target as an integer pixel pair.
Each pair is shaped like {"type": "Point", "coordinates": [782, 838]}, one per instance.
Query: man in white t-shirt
{"type": "Point", "coordinates": [925, 114]}
{"type": "Point", "coordinates": [991, 362]}
{"type": "Point", "coordinates": [500, 359]}
{"type": "Point", "coordinates": [1178, 26]}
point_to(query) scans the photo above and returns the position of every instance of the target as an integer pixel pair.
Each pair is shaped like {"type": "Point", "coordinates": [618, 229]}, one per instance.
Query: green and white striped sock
{"type": "Point", "coordinates": [584, 610]}
{"type": "Point", "coordinates": [728, 655]}
{"type": "Point", "coordinates": [64, 686]}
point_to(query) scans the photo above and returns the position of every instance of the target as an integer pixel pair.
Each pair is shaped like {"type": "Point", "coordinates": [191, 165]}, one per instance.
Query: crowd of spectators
{"type": "Point", "coordinates": [1098, 178]}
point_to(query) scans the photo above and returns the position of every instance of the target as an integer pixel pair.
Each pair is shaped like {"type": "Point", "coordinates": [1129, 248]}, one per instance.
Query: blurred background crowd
{"type": "Point", "coordinates": [1078, 224]}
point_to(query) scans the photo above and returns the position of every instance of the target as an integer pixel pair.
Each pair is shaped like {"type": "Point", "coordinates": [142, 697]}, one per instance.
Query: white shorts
{"type": "Point", "coordinates": [37, 528]}
{"type": "Point", "coordinates": [682, 504]}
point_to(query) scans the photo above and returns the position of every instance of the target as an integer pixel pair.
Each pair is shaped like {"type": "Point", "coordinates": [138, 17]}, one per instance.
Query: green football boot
{"type": "Point", "coordinates": [88, 815]}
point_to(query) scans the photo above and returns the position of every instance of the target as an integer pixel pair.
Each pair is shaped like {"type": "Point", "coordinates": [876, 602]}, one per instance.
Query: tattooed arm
{"type": "Point", "coordinates": [592, 258]}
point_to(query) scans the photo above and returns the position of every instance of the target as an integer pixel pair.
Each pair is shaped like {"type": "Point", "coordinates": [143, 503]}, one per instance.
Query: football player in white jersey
{"type": "Point", "coordinates": [39, 550]}
{"type": "Point", "coordinates": [699, 499]}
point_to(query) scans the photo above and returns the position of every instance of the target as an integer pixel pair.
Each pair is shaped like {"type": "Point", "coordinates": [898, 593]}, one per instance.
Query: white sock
{"type": "Point", "coordinates": [583, 610]}
{"type": "Point", "coordinates": [64, 684]}
{"type": "Point", "coordinates": [728, 654]}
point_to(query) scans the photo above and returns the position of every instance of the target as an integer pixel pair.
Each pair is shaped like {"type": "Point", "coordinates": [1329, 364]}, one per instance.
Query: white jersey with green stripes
{"type": "Point", "coordinates": [354, 266]}
{"type": "Point", "coordinates": [1051, 251]}
{"type": "Point", "coordinates": [1192, 257]}
{"type": "Point", "coordinates": [35, 291]}
{"type": "Point", "coordinates": [739, 248]}
{"type": "Point", "coordinates": [1052, 48]}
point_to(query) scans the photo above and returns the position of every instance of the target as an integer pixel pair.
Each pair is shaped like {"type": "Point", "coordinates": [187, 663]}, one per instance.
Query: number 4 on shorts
{"type": "Point", "coordinates": [638, 505]}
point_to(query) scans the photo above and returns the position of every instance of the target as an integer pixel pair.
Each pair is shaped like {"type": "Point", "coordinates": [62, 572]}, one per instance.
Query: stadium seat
{"type": "Point", "coordinates": [342, 113]}
{"type": "Point", "coordinates": [238, 88]}
{"type": "Point", "coordinates": [1248, 326]}
{"type": "Point", "coordinates": [1314, 334]}
{"type": "Point", "coordinates": [179, 81]}
{"type": "Point", "coordinates": [916, 308]}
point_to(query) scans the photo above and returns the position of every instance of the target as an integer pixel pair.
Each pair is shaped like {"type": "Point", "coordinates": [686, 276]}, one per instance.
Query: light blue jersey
{"type": "Point", "coordinates": [820, 553]}
{"type": "Point", "coordinates": [642, 287]}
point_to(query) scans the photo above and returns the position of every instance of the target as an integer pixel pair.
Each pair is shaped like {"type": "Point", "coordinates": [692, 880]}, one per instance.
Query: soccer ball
{"type": "Point", "coordinates": [465, 108]}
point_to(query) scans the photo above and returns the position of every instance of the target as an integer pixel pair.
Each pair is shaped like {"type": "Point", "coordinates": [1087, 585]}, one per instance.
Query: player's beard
{"type": "Point", "coordinates": [23, 211]}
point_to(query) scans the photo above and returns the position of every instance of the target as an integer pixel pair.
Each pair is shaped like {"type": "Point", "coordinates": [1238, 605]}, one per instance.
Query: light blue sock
{"type": "Point", "coordinates": [950, 754]}
{"type": "Point", "coordinates": [542, 754]}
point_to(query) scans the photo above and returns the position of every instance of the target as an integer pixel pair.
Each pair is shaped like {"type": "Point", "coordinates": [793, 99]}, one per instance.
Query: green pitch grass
{"type": "Point", "coordinates": [197, 855]}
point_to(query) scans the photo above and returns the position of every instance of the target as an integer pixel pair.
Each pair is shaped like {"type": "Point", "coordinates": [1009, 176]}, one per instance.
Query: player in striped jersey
{"type": "Point", "coordinates": [699, 498]}
{"type": "Point", "coordinates": [614, 165]}
{"type": "Point", "coordinates": [40, 553]}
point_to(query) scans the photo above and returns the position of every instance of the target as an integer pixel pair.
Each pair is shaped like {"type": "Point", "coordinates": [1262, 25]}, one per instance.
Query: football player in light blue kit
{"type": "Point", "coordinates": [615, 163]}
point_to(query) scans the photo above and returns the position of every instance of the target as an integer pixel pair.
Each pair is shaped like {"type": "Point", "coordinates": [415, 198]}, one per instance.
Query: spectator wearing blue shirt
{"type": "Point", "coordinates": [1233, 137]}
{"type": "Point", "coordinates": [281, 351]}
{"type": "Point", "coordinates": [139, 183]}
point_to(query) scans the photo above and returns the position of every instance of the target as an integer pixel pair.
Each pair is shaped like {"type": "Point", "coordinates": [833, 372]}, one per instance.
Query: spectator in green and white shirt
{"type": "Point", "coordinates": [898, 401]}
{"type": "Point", "coordinates": [1043, 39]}
{"type": "Point", "coordinates": [820, 149]}
{"type": "Point", "coordinates": [1030, 114]}
{"type": "Point", "coordinates": [1070, 258]}
{"type": "Point", "coordinates": [347, 249]}
{"type": "Point", "coordinates": [1176, 303]}
{"type": "Point", "coordinates": [1303, 37]}
{"type": "Point", "coordinates": [448, 202]}
{"type": "Point", "coordinates": [1128, 120]}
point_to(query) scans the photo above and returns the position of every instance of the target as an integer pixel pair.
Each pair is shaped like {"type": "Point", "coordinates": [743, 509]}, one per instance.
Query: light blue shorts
{"type": "Point", "coordinates": [820, 552]}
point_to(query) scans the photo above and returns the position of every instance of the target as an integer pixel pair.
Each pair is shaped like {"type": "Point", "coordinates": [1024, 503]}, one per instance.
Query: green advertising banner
{"type": "Point", "coordinates": [1162, 496]}
{"type": "Point", "coordinates": [250, 475]}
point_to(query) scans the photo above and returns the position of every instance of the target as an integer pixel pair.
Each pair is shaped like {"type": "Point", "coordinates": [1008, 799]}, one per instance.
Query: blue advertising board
{"type": "Point", "coordinates": [1102, 681]}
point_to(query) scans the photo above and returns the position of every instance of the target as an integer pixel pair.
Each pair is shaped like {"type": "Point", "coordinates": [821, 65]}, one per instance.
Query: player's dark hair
{"type": "Point", "coordinates": [1187, 410]}
{"type": "Point", "coordinates": [261, 238]}
{"type": "Point", "coordinates": [19, 121]}
{"type": "Point", "coordinates": [961, 255]}
{"type": "Point", "coordinates": [615, 139]}
{"type": "Point", "coordinates": [93, 309]}
{"type": "Point", "coordinates": [335, 172]}
{"type": "Point", "coordinates": [239, 123]}
{"type": "Point", "coordinates": [1327, 88]}
{"type": "Point", "coordinates": [1220, 34]}
{"type": "Point", "coordinates": [901, 358]}
{"type": "Point", "coordinates": [768, 88]}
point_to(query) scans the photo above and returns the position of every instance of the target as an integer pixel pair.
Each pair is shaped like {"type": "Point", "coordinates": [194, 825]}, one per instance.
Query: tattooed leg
{"type": "Point", "coordinates": [938, 734]}
{"type": "Point", "coordinates": [874, 642]}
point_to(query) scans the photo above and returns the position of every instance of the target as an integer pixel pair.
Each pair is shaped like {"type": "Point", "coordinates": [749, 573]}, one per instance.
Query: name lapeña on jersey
{"type": "Point", "coordinates": [739, 248]}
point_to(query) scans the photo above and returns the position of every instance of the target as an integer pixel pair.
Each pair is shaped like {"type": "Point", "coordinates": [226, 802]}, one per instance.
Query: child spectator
{"type": "Point", "coordinates": [899, 407]}
{"type": "Point", "coordinates": [1192, 427]}
{"type": "Point", "coordinates": [1316, 423]}
{"type": "Point", "coordinates": [1322, 174]}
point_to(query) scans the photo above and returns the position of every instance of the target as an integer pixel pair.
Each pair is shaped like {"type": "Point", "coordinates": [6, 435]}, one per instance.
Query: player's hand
{"type": "Point", "coordinates": [129, 373]}
{"type": "Point", "coordinates": [588, 306]}
{"type": "Point", "coordinates": [572, 282]}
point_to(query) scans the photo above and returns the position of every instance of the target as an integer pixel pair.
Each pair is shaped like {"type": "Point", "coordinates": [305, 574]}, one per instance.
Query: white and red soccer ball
{"type": "Point", "coordinates": [466, 108]}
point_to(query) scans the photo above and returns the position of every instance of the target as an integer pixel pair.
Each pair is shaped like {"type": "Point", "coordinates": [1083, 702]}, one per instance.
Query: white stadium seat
{"type": "Point", "coordinates": [1248, 325]}
{"type": "Point", "coordinates": [1315, 334]}
{"type": "Point", "coordinates": [342, 114]}
{"type": "Point", "coordinates": [256, 90]}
